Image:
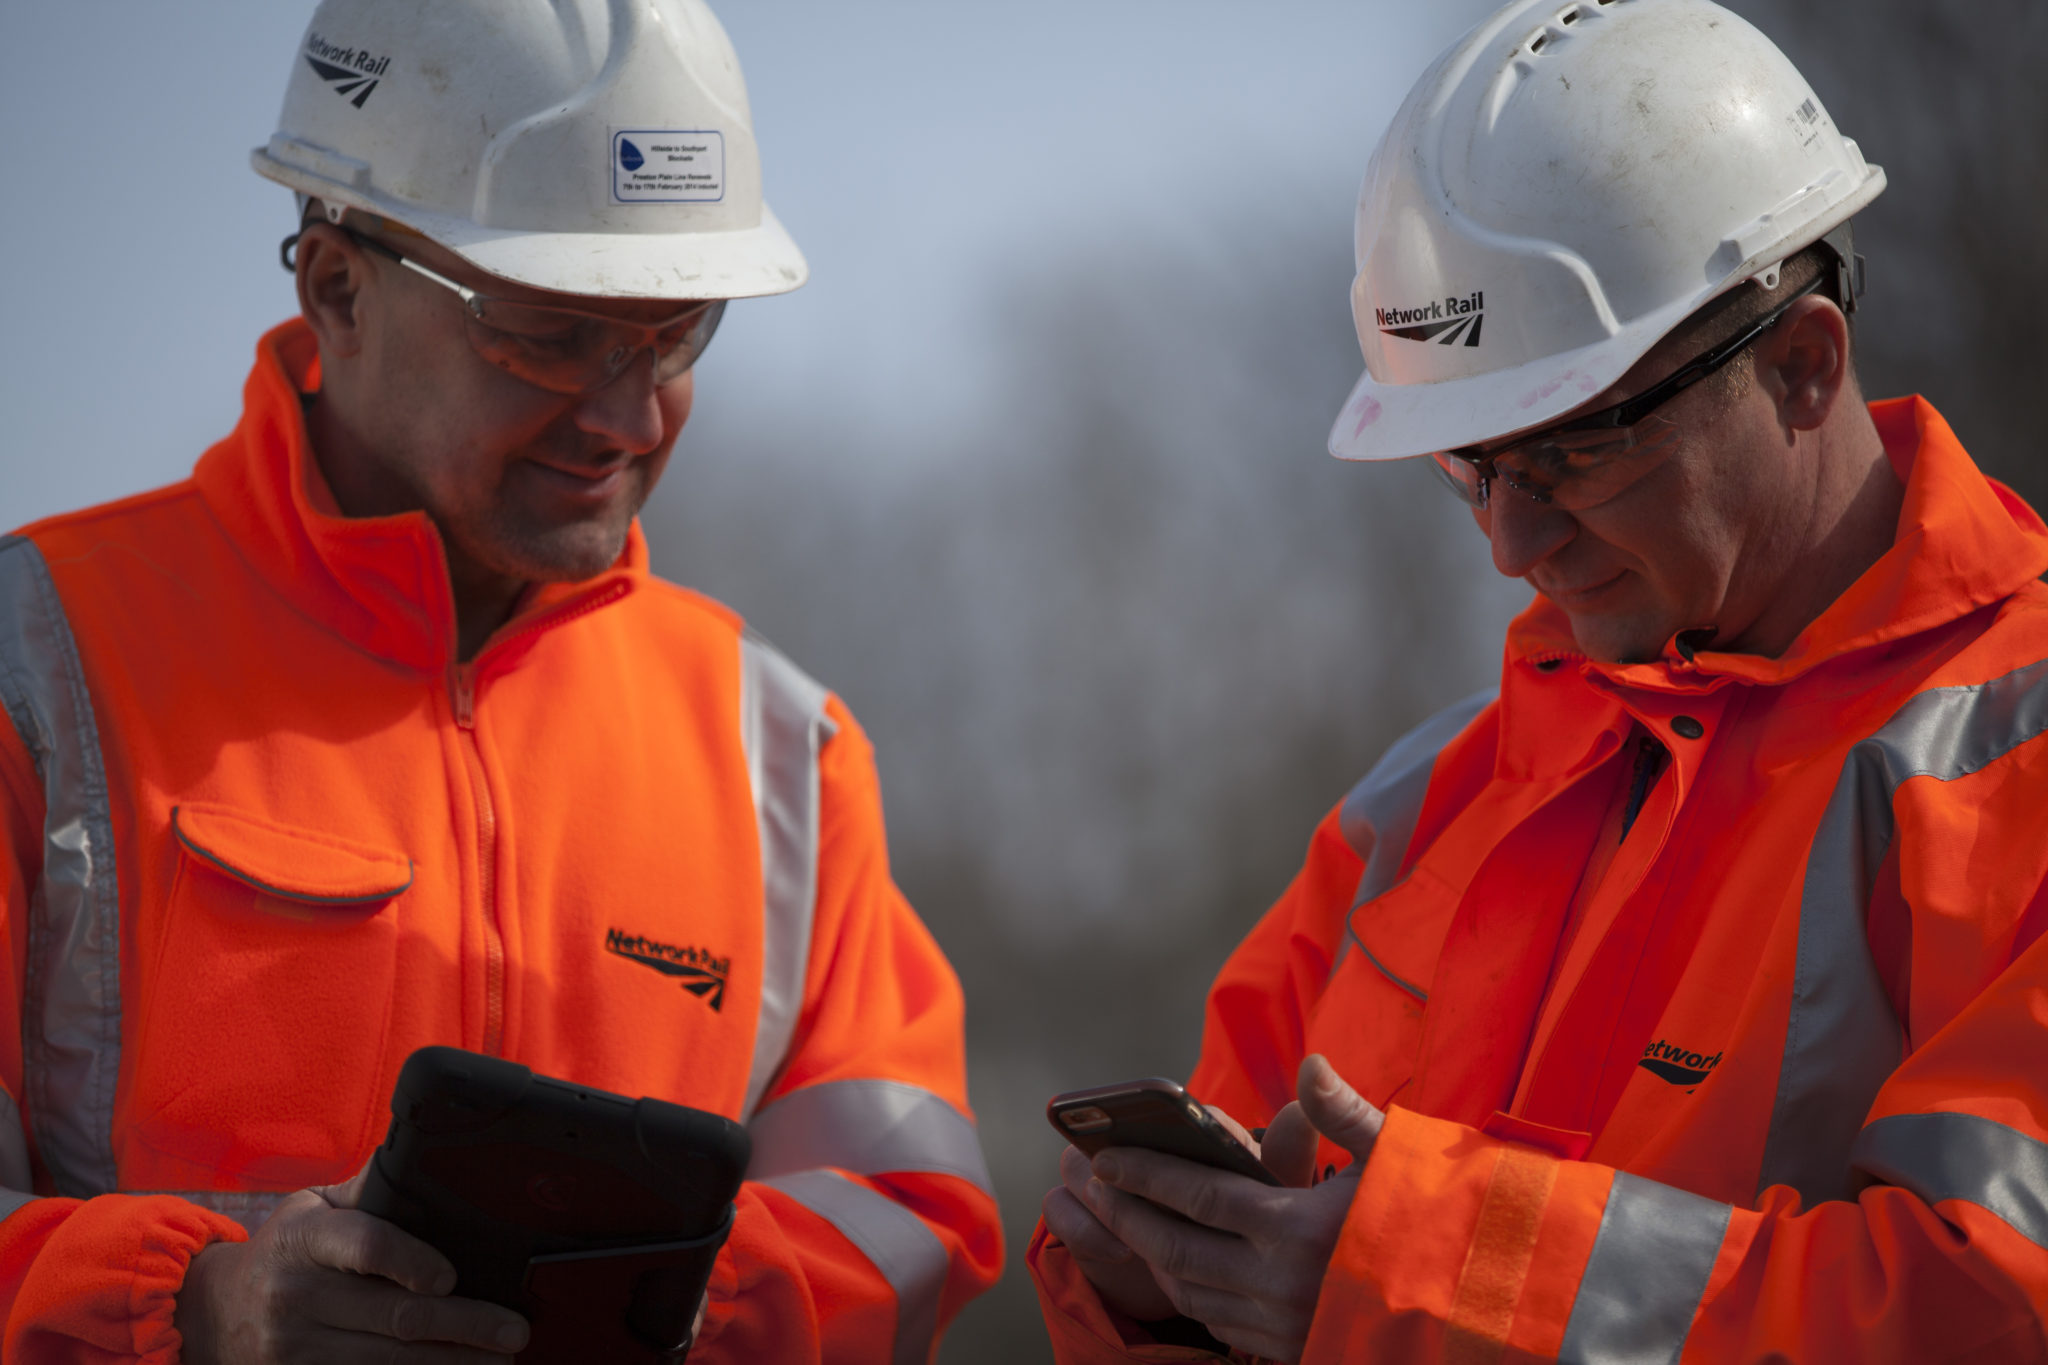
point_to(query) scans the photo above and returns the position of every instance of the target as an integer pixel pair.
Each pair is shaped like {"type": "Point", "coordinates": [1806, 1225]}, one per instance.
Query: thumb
{"type": "Point", "coordinates": [349, 1192]}
{"type": "Point", "coordinates": [1338, 1112]}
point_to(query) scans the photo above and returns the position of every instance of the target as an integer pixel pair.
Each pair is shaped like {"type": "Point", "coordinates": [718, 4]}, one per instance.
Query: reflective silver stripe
{"type": "Point", "coordinates": [869, 1128]}
{"type": "Point", "coordinates": [71, 1018]}
{"type": "Point", "coordinates": [1961, 1156]}
{"type": "Point", "coordinates": [783, 727]}
{"type": "Point", "coordinates": [908, 1254]}
{"type": "Point", "coordinates": [1647, 1274]}
{"type": "Point", "coordinates": [1842, 1039]}
{"type": "Point", "coordinates": [11, 1200]}
{"type": "Point", "coordinates": [1378, 817]}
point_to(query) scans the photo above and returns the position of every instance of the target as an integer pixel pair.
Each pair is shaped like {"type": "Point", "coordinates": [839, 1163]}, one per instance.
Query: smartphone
{"type": "Point", "coordinates": [595, 1215]}
{"type": "Point", "coordinates": [1156, 1114]}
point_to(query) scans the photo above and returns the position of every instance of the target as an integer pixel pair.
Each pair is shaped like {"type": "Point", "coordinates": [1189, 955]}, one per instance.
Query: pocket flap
{"type": "Point", "coordinates": [297, 864]}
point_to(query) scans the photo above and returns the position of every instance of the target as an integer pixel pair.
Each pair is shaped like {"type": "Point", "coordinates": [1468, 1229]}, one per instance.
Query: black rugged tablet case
{"type": "Point", "coordinates": [596, 1216]}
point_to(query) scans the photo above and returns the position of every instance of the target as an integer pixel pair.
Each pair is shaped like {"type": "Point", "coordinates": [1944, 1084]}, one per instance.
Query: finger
{"type": "Point", "coordinates": [1234, 1128]}
{"type": "Point", "coordinates": [1338, 1112]}
{"type": "Point", "coordinates": [1075, 1172]}
{"type": "Point", "coordinates": [365, 1348]}
{"type": "Point", "coordinates": [1236, 1320]}
{"type": "Point", "coordinates": [1289, 1150]}
{"type": "Point", "coordinates": [353, 1303]}
{"type": "Point", "coordinates": [1203, 1194]}
{"type": "Point", "coordinates": [349, 1192]}
{"type": "Point", "coordinates": [1172, 1247]}
{"type": "Point", "coordinates": [1068, 1219]}
{"type": "Point", "coordinates": [345, 1239]}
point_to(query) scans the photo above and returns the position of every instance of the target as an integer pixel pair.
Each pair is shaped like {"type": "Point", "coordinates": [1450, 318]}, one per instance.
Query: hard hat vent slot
{"type": "Point", "coordinates": [1570, 16]}
{"type": "Point", "coordinates": [1537, 43]}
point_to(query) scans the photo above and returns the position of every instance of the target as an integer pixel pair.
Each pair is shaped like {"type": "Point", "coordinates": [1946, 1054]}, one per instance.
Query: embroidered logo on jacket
{"type": "Point", "coordinates": [1676, 1065]}
{"type": "Point", "coordinates": [701, 973]}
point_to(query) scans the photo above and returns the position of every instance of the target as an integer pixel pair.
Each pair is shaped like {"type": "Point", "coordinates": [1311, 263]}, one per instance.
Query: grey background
{"type": "Point", "coordinates": [1032, 471]}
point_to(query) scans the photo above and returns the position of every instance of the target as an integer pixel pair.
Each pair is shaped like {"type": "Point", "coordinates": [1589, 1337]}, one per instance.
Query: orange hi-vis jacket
{"type": "Point", "coordinates": [261, 836]}
{"type": "Point", "coordinates": [1760, 1077]}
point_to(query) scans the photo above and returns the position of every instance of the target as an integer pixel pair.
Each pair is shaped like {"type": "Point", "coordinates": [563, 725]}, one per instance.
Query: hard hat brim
{"type": "Point", "coordinates": [743, 264]}
{"type": "Point", "coordinates": [1400, 421]}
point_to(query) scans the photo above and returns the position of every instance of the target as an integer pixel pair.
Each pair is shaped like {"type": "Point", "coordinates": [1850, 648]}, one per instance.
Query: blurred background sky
{"type": "Point", "coordinates": [1032, 471]}
{"type": "Point", "coordinates": [921, 153]}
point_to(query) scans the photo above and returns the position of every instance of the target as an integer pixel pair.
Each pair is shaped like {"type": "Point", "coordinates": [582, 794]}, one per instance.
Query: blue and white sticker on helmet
{"type": "Point", "coordinates": [668, 166]}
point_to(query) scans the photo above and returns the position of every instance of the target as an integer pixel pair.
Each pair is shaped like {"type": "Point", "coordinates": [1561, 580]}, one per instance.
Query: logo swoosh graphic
{"type": "Point", "coordinates": [706, 986]}
{"type": "Point", "coordinates": [1669, 1071]}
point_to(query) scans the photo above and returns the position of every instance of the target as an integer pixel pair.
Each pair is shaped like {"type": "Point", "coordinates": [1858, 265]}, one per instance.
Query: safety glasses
{"type": "Point", "coordinates": [1586, 461]}
{"type": "Point", "coordinates": [565, 350]}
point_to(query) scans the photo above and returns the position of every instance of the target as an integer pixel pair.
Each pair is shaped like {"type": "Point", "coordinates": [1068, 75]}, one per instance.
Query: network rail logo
{"type": "Point", "coordinates": [348, 71]}
{"type": "Point", "coordinates": [1677, 1066]}
{"type": "Point", "coordinates": [701, 973]}
{"type": "Point", "coordinates": [1444, 321]}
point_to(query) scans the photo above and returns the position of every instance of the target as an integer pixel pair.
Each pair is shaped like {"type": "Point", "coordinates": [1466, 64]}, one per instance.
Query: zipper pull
{"type": "Point", "coordinates": [462, 691]}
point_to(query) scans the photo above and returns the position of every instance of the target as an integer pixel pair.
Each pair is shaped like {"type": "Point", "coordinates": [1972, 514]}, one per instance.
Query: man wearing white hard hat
{"type": "Point", "coordinates": [376, 733]}
{"type": "Point", "coordinates": [1682, 999]}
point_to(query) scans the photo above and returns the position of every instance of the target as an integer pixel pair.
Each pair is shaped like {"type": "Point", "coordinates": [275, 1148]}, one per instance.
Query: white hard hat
{"type": "Point", "coordinates": [598, 147]}
{"type": "Point", "coordinates": [1562, 188]}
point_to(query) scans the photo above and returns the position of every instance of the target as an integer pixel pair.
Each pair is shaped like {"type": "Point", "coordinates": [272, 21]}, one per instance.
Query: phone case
{"type": "Point", "coordinates": [596, 1216]}
{"type": "Point", "coordinates": [1156, 1114]}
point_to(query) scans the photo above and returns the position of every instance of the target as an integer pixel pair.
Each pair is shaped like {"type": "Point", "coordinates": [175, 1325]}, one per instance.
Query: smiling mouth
{"type": "Point", "coordinates": [590, 473]}
{"type": "Point", "coordinates": [1567, 596]}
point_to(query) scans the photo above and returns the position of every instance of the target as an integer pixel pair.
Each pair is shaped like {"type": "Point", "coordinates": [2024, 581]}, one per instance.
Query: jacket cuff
{"type": "Point", "coordinates": [1455, 1241]}
{"type": "Point", "coordinates": [721, 1296]}
{"type": "Point", "coordinates": [1084, 1329]}
{"type": "Point", "coordinates": [104, 1283]}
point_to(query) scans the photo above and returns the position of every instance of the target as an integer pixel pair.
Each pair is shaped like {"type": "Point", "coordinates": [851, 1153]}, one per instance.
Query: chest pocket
{"type": "Point", "coordinates": [257, 1060]}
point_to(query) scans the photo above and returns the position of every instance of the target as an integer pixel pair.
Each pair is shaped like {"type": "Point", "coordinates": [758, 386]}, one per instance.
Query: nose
{"type": "Point", "coordinates": [626, 413]}
{"type": "Point", "coordinates": [1523, 531]}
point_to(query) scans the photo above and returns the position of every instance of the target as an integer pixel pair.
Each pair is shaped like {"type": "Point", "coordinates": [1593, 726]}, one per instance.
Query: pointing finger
{"type": "Point", "coordinates": [1337, 1111]}
{"type": "Point", "coordinates": [1289, 1150]}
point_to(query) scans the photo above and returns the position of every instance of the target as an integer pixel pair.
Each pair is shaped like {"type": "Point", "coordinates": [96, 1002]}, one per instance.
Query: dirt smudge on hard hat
{"type": "Point", "coordinates": [1584, 383]}
{"type": "Point", "coordinates": [1368, 409]}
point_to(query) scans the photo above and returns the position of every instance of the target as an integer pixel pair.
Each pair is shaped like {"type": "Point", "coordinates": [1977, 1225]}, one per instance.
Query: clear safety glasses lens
{"type": "Point", "coordinates": [1571, 470]}
{"type": "Point", "coordinates": [1575, 470]}
{"type": "Point", "coordinates": [568, 351]}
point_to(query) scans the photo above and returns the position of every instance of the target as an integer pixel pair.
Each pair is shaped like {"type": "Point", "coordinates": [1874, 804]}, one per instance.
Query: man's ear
{"type": "Point", "coordinates": [1803, 363]}
{"type": "Point", "coordinates": [331, 273]}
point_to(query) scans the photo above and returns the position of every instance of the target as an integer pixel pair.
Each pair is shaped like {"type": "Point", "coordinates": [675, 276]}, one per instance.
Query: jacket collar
{"type": "Point", "coordinates": [381, 582]}
{"type": "Point", "coordinates": [1964, 541]}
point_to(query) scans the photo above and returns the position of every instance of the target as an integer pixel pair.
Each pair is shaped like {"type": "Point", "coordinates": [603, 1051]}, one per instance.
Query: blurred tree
{"type": "Point", "coordinates": [1949, 100]}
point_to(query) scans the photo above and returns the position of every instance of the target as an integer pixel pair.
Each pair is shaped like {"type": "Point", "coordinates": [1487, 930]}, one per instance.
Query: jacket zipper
{"type": "Point", "coordinates": [464, 691]}
{"type": "Point", "coordinates": [462, 687]}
